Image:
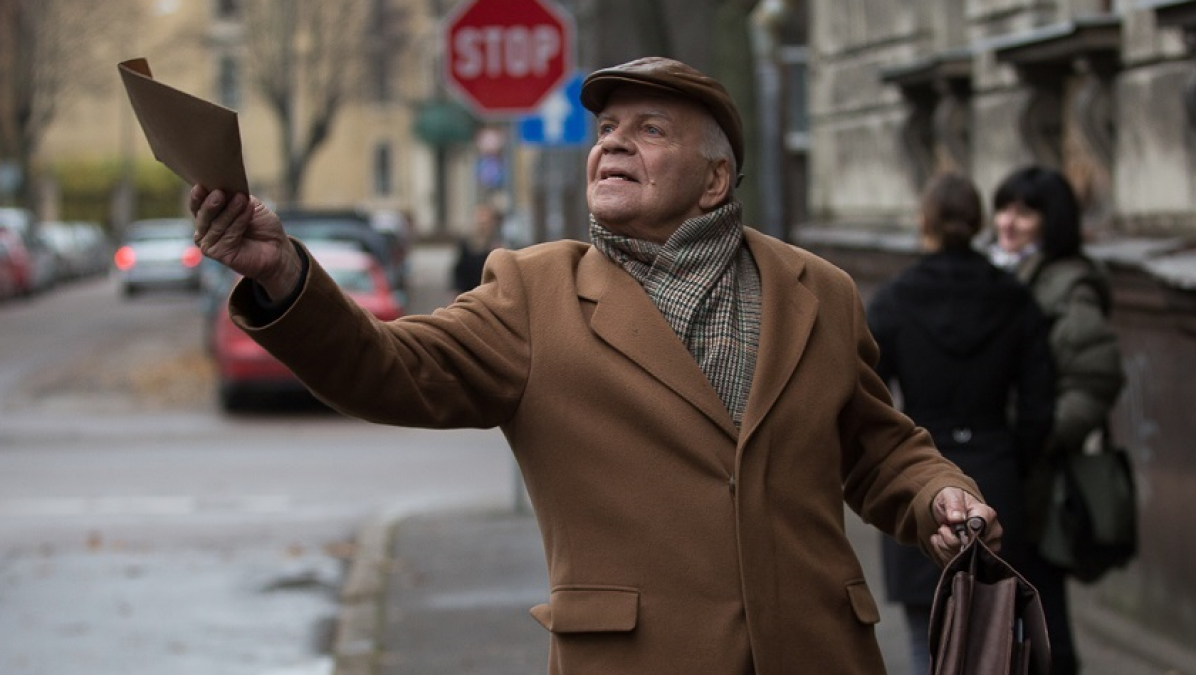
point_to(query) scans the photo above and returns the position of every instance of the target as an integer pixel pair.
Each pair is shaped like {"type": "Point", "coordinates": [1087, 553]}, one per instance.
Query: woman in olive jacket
{"type": "Point", "coordinates": [966, 345]}
{"type": "Point", "coordinates": [1038, 237]}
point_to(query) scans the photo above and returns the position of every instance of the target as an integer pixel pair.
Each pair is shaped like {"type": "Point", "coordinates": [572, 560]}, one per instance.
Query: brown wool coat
{"type": "Point", "coordinates": [675, 543]}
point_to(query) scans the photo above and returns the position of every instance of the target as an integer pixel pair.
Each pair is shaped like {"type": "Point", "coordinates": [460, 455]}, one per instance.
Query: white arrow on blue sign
{"type": "Point", "coordinates": [561, 119]}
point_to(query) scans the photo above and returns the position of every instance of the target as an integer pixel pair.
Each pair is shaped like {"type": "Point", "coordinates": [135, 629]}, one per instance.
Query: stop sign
{"type": "Point", "coordinates": [504, 56]}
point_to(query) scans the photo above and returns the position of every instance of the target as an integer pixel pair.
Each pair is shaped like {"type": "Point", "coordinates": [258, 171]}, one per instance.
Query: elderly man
{"type": "Point", "coordinates": [690, 402]}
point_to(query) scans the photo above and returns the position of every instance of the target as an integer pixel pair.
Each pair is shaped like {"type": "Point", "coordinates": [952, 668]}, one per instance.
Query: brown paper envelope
{"type": "Point", "coordinates": [198, 140]}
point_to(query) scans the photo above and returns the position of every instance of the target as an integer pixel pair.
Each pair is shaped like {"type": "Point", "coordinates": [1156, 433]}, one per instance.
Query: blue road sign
{"type": "Point", "coordinates": [561, 119]}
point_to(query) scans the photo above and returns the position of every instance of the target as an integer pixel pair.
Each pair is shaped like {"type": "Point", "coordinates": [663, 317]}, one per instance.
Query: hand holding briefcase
{"type": "Point", "coordinates": [986, 618]}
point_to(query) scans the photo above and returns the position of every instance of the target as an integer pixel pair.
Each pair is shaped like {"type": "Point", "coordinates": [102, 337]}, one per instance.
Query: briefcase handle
{"type": "Point", "coordinates": [972, 526]}
{"type": "Point", "coordinates": [969, 532]}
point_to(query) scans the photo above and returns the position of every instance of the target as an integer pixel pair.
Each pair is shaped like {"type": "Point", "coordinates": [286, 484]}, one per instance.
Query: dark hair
{"type": "Point", "coordinates": [1047, 192]}
{"type": "Point", "coordinates": [951, 210]}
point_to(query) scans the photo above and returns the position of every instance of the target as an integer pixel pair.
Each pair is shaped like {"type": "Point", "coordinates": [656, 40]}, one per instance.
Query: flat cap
{"type": "Point", "coordinates": [673, 77]}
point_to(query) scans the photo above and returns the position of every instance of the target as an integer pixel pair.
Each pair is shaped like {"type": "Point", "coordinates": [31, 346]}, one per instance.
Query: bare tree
{"type": "Point", "coordinates": [45, 51]}
{"type": "Point", "coordinates": [304, 57]}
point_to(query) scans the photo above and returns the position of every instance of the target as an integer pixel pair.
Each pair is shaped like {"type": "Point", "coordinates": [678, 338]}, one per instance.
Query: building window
{"type": "Point", "coordinates": [230, 82]}
{"type": "Point", "coordinates": [383, 179]}
{"type": "Point", "coordinates": [228, 9]}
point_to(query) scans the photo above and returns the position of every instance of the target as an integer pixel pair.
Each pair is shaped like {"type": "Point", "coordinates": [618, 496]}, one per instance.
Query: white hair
{"type": "Point", "coordinates": [715, 146]}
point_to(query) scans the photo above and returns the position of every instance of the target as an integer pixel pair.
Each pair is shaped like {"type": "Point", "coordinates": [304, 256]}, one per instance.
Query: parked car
{"type": "Point", "coordinates": [158, 253]}
{"type": "Point", "coordinates": [388, 244]}
{"type": "Point", "coordinates": [81, 248]}
{"type": "Point", "coordinates": [98, 247]}
{"type": "Point", "coordinates": [244, 369]}
{"type": "Point", "coordinates": [24, 268]}
{"type": "Point", "coordinates": [13, 266]}
{"type": "Point", "coordinates": [320, 228]}
{"type": "Point", "coordinates": [398, 230]}
{"type": "Point", "coordinates": [45, 272]}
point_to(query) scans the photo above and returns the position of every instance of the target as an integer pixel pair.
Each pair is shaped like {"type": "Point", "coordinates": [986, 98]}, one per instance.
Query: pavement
{"type": "Point", "coordinates": [448, 593]}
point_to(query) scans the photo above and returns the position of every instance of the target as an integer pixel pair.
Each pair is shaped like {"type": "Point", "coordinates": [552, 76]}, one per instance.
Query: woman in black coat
{"type": "Point", "coordinates": [965, 347]}
{"type": "Point", "coordinates": [474, 248]}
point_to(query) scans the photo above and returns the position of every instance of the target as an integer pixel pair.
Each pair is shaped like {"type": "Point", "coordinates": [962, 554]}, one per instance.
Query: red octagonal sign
{"type": "Point", "coordinates": [504, 56]}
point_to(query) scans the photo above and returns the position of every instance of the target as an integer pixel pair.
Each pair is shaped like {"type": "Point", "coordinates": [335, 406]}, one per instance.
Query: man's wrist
{"type": "Point", "coordinates": [286, 282]}
{"type": "Point", "coordinates": [276, 305]}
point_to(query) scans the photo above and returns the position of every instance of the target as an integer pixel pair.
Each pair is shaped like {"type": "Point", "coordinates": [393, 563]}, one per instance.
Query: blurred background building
{"type": "Point", "coordinates": [1103, 90]}
{"type": "Point", "coordinates": [851, 105]}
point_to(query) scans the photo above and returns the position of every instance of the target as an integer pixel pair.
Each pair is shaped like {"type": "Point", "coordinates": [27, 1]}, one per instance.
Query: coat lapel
{"type": "Point", "coordinates": [625, 318]}
{"type": "Point", "coordinates": [787, 314]}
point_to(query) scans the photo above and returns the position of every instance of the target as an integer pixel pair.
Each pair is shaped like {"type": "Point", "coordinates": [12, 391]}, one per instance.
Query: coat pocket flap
{"type": "Point", "coordinates": [589, 610]}
{"type": "Point", "coordinates": [862, 602]}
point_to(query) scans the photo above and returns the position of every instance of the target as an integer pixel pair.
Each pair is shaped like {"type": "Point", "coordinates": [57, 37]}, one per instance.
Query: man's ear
{"type": "Point", "coordinates": [718, 185]}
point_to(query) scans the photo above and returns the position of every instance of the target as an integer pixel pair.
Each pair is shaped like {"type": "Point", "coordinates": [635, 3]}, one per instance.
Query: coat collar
{"type": "Point", "coordinates": [788, 309]}
{"type": "Point", "coordinates": [625, 318]}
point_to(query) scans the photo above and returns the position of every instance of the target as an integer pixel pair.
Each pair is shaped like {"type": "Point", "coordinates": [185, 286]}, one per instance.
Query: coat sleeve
{"type": "Point", "coordinates": [1088, 366]}
{"type": "Point", "coordinates": [892, 469]}
{"type": "Point", "coordinates": [461, 366]}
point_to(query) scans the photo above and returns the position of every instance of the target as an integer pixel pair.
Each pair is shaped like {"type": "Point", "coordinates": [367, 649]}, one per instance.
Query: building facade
{"type": "Point", "coordinates": [1103, 90]}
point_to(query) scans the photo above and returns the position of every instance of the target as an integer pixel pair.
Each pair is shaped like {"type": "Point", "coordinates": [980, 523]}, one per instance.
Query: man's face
{"type": "Point", "coordinates": [646, 174]}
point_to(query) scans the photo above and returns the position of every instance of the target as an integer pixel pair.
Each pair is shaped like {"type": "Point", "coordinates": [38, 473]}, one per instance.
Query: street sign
{"type": "Point", "coordinates": [504, 56]}
{"type": "Point", "coordinates": [561, 119]}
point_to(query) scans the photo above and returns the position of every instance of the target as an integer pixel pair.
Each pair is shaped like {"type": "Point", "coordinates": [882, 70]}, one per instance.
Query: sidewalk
{"type": "Point", "coordinates": [447, 594]}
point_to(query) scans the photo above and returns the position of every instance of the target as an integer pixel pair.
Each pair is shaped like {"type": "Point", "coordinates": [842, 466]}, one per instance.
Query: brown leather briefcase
{"type": "Point", "coordinates": [986, 618]}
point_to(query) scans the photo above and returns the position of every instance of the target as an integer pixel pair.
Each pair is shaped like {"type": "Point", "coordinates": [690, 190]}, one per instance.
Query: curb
{"type": "Point", "coordinates": [355, 642]}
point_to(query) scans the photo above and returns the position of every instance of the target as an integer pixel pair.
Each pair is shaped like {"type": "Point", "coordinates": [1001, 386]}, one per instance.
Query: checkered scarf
{"type": "Point", "coordinates": [705, 283]}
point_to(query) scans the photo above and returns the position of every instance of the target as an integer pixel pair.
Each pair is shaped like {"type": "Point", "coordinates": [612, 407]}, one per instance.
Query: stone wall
{"type": "Point", "coordinates": [1110, 107]}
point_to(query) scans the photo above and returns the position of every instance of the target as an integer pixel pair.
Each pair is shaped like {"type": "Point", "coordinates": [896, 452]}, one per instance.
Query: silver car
{"type": "Point", "coordinates": [158, 254]}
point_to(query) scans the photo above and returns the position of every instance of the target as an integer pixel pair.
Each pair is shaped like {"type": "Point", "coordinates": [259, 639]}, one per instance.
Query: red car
{"type": "Point", "coordinates": [16, 260]}
{"type": "Point", "coordinates": [244, 369]}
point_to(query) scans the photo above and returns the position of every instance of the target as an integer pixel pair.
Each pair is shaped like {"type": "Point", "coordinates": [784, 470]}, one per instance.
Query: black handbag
{"type": "Point", "coordinates": [986, 618]}
{"type": "Point", "coordinates": [1091, 523]}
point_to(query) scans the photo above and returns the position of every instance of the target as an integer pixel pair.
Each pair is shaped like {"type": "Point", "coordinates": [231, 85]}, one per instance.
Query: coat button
{"type": "Point", "coordinates": [961, 434]}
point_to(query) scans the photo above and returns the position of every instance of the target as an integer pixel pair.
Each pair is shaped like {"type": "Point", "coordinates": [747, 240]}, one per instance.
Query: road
{"type": "Point", "coordinates": [142, 531]}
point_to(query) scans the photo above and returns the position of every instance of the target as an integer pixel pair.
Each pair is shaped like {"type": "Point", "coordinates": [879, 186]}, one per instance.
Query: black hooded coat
{"type": "Point", "coordinates": [964, 346]}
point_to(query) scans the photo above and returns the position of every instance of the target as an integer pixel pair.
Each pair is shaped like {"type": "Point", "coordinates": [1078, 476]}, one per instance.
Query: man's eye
{"type": "Point", "coordinates": [652, 130]}
{"type": "Point", "coordinates": [604, 129]}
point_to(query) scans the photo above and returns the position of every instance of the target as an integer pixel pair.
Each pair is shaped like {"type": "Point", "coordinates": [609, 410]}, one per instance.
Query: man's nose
{"type": "Point", "coordinates": [614, 141]}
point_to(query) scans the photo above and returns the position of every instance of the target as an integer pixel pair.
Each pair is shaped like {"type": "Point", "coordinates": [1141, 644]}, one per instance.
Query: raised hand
{"type": "Point", "coordinates": [247, 237]}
